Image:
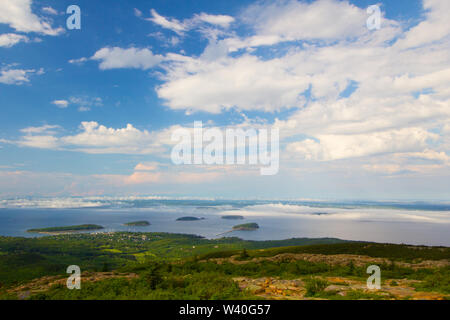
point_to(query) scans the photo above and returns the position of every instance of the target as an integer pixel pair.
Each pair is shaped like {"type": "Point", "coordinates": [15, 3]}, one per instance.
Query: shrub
{"type": "Point", "coordinates": [314, 286]}
{"type": "Point", "coordinates": [244, 255]}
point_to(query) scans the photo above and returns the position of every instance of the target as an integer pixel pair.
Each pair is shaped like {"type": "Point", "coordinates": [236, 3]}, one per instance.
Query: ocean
{"type": "Point", "coordinates": [418, 223]}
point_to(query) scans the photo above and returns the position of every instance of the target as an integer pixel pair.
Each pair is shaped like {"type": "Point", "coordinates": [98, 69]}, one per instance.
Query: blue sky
{"type": "Point", "coordinates": [361, 113]}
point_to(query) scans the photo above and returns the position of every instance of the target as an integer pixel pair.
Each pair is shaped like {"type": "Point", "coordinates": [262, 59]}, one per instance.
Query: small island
{"type": "Point", "coordinates": [233, 217]}
{"type": "Point", "coordinates": [66, 229]}
{"type": "Point", "coordinates": [142, 223]}
{"type": "Point", "coordinates": [189, 219]}
{"type": "Point", "coordinates": [246, 227]}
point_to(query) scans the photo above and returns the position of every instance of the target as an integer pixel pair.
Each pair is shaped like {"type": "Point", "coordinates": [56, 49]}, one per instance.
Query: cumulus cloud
{"type": "Point", "coordinates": [247, 83]}
{"type": "Point", "coordinates": [97, 139]}
{"type": "Point", "coordinates": [400, 98]}
{"type": "Point", "coordinates": [10, 39]}
{"type": "Point", "coordinates": [353, 93]}
{"type": "Point", "coordinates": [19, 16]}
{"type": "Point", "coordinates": [115, 57]}
{"type": "Point", "coordinates": [17, 76]}
{"type": "Point", "coordinates": [294, 20]}
{"type": "Point", "coordinates": [334, 147]}
{"type": "Point", "coordinates": [435, 27]}
{"type": "Point", "coordinates": [39, 141]}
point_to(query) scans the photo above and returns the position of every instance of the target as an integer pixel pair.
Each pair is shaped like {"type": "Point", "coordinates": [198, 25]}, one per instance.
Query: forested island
{"type": "Point", "coordinates": [142, 223]}
{"type": "Point", "coordinates": [232, 217]}
{"type": "Point", "coordinates": [64, 229]}
{"type": "Point", "coordinates": [189, 219]}
{"type": "Point", "coordinates": [246, 227]}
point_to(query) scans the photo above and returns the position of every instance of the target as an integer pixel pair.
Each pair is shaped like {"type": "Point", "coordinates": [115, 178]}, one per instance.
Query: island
{"type": "Point", "coordinates": [66, 229]}
{"type": "Point", "coordinates": [233, 217]}
{"type": "Point", "coordinates": [142, 223]}
{"type": "Point", "coordinates": [246, 227]}
{"type": "Point", "coordinates": [189, 219]}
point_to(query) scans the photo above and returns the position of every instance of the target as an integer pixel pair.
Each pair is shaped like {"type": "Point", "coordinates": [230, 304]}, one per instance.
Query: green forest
{"type": "Point", "coordinates": [127, 265]}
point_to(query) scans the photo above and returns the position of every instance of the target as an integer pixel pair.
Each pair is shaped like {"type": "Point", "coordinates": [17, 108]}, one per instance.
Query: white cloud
{"type": "Point", "coordinates": [423, 163]}
{"type": "Point", "coordinates": [435, 26]}
{"type": "Point", "coordinates": [10, 39]}
{"type": "Point", "coordinates": [334, 147]}
{"type": "Point", "coordinates": [78, 61]}
{"type": "Point", "coordinates": [45, 128]}
{"type": "Point", "coordinates": [61, 103]}
{"type": "Point", "coordinates": [18, 15]}
{"type": "Point", "coordinates": [113, 58]}
{"type": "Point", "coordinates": [84, 103]}
{"type": "Point", "coordinates": [429, 154]}
{"type": "Point", "coordinates": [446, 128]}
{"type": "Point", "coordinates": [50, 10]}
{"type": "Point", "coordinates": [95, 138]}
{"type": "Point", "coordinates": [181, 27]}
{"type": "Point", "coordinates": [17, 76]}
{"type": "Point", "coordinates": [246, 83]}
{"type": "Point", "coordinates": [172, 24]}
{"type": "Point", "coordinates": [294, 20]}
{"type": "Point", "coordinates": [220, 20]}
{"type": "Point", "coordinates": [400, 98]}
{"type": "Point", "coordinates": [40, 141]}
{"type": "Point", "coordinates": [174, 41]}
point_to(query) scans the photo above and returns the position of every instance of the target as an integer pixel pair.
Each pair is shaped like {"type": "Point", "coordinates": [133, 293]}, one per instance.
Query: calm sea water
{"type": "Point", "coordinates": [276, 221]}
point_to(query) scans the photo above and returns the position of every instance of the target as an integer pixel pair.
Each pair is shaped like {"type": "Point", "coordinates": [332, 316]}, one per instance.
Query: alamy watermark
{"type": "Point", "coordinates": [74, 20]}
{"type": "Point", "coordinates": [74, 280]}
{"type": "Point", "coordinates": [374, 20]}
{"type": "Point", "coordinates": [227, 148]}
{"type": "Point", "coordinates": [374, 281]}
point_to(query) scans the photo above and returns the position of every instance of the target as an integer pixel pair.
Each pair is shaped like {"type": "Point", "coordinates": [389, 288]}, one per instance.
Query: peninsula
{"type": "Point", "coordinates": [66, 229]}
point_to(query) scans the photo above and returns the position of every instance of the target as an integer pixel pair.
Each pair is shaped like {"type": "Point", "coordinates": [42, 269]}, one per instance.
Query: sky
{"type": "Point", "coordinates": [362, 113]}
